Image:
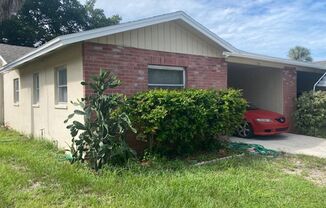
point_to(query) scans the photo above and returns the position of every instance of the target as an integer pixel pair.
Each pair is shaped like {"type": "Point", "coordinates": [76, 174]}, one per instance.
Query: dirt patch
{"type": "Point", "coordinates": [32, 186]}
{"type": "Point", "coordinates": [17, 166]}
{"type": "Point", "coordinates": [35, 185]}
{"type": "Point", "coordinates": [315, 174]}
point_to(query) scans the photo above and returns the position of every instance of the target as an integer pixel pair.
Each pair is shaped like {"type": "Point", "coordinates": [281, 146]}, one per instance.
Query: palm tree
{"type": "Point", "coordinates": [300, 53]}
{"type": "Point", "coordinates": [9, 8]}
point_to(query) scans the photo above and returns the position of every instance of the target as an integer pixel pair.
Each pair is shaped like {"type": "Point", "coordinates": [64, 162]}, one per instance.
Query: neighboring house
{"type": "Point", "coordinates": [170, 50]}
{"type": "Point", "coordinates": [9, 53]}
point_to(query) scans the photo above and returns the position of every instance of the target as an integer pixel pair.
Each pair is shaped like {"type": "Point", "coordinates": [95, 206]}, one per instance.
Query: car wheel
{"type": "Point", "coordinates": [245, 130]}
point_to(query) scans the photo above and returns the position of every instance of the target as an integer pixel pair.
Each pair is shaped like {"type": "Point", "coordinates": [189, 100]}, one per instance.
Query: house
{"type": "Point", "coordinates": [9, 53]}
{"type": "Point", "coordinates": [170, 50]}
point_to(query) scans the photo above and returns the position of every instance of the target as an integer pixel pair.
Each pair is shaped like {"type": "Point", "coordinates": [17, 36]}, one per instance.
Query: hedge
{"type": "Point", "coordinates": [178, 122]}
{"type": "Point", "coordinates": [310, 114]}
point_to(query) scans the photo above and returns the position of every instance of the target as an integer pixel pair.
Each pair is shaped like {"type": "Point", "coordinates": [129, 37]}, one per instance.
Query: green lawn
{"type": "Point", "coordinates": [32, 174]}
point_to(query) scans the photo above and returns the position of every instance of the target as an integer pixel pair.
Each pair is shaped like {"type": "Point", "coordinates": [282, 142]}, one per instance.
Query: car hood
{"type": "Point", "coordinates": [260, 113]}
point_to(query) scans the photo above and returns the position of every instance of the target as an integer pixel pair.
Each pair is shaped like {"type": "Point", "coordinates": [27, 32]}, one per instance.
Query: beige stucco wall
{"type": "Point", "coordinates": [260, 85]}
{"type": "Point", "coordinates": [2, 62]}
{"type": "Point", "coordinates": [170, 37]}
{"type": "Point", "coordinates": [47, 118]}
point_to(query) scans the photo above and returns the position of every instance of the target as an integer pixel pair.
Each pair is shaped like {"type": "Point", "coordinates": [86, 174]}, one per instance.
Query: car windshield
{"type": "Point", "coordinates": [251, 106]}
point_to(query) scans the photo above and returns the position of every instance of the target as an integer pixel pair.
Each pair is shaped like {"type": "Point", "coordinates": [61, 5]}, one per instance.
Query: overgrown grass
{"type": "Point", "coordinates": [33, 174]}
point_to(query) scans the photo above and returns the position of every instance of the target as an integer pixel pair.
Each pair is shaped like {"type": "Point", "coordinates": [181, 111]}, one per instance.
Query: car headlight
{"type": "Point", "coordinates": [264, 120]}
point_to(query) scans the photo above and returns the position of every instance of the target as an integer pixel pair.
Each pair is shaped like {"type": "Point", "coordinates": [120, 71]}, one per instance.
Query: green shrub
{"type": "Point", "coordinates": [177, 122]}
{"type": "Point", "coordinates": [310, 114]}
{"type": "Point", "coordinates": [101, 137]}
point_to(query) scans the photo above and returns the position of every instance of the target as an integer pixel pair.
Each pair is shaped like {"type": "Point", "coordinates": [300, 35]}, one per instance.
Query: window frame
{"type": "Point", "coordinates": [16, 96]}
{"type": "Point", "coordinates": [36, 88]}
{"type": "Point", "coordinates": [168, 68]}
{"type": "Point", "coordinates": [58, 86]}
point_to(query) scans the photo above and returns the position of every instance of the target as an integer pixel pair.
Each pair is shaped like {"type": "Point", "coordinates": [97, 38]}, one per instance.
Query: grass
{"type": "Point", "coordinates": [33, 174]}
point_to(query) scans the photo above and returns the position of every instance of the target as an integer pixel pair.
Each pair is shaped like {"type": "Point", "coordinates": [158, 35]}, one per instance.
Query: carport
{"type": "Point", "coordinates": [261, 86]}
{"type": "Point", "coordinates": [271, 83]}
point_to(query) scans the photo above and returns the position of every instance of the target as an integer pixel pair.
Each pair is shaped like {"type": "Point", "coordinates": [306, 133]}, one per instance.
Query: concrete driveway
{"type": "Point", "coordinates": [290, 143]}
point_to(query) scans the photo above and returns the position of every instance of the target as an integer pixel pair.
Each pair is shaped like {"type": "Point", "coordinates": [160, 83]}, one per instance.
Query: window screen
{"type": "Point", "coordinates": [36, 88]}
{"type": "Point", "coordinates": [62, 85]}
{"type": "Point", "coordinates": [165, 77]}
{"type": "Point", "coordinates": [16, 90]}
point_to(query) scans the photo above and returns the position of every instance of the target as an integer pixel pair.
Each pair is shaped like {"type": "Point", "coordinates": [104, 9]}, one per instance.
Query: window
{"type": "Point", "coordinates": [16, 91]}
{"type": "Point", "coordinates": [61, 85]}
{"type": "Point", "coordinates": [36, 88]}
{"type": "Point", "coordinates": [166, 77]}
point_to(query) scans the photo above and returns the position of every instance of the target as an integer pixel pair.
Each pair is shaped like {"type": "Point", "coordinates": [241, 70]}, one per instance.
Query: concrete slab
{"type": "Point", "coordinates": [290, 143]}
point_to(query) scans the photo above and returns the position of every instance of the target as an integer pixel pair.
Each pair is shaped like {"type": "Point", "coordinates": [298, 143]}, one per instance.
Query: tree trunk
{"type": "Point", "coordinates": [9, 8]}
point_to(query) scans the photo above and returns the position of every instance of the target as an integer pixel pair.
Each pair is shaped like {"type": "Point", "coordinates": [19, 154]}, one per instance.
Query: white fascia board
{"type": "Point", "coordinates": [3, 60]}
{"type": "Point", "coordinates": [87, 35]}
{"type": "Point", "coordinates": [274, 60]}
{"type": "Point", "coordinates": [95, 33]}
{"type": "Point", "coordinates": [208, 33]}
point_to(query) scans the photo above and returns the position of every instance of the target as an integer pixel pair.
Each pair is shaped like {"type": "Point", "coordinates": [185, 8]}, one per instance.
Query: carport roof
{"type": "Point", "coordinates": [320, 63]}
{"type": "Point", "coordinates": [260, 59]}
{"type": "Point", "coordinates": [230, 51]}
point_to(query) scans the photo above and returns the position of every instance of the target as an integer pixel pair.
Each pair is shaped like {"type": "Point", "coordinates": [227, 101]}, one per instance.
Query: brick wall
{"type": "Point", "coordinates": [130, 65]}
{"type": "Point", "coordinates": [289, 79]}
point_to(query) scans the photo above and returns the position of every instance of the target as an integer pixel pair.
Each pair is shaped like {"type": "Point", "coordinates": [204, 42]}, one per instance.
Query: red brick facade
{"type": "Point", "coordinates": [130, 66]}
{"type": "Point", "coordinates": [289, 79]}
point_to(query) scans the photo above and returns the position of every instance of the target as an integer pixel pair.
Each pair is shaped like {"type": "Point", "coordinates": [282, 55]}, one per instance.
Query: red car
{"type": "Point", "coordinates": [262, 122]}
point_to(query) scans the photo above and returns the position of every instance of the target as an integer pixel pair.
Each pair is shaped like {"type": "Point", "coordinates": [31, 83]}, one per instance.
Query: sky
{"type": "Point", "coordinates": [269, 27]}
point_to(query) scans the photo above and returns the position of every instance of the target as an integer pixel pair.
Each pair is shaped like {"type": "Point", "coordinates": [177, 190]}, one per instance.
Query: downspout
{"type": "Point", "coordinates": [321, 78]}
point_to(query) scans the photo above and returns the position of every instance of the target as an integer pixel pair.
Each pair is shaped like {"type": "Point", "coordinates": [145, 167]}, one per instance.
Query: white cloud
{"type": "Point", "coordinates": [268, 27]}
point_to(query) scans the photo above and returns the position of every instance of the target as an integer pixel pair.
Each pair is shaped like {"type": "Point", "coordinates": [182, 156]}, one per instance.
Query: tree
{"type": "Point", "coordinates": [300, 53]}
{"type": "Point", "coordinates": [96, 17]}
{"type": "Point", "coordinates": [39, 21]}
{"type": "Point", "coordinates": [9, 8]}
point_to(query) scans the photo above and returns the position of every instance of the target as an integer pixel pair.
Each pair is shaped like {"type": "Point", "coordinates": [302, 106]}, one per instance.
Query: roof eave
{"type": "Point", "coordinates": [274, 60]}
{"type": "Point", "coordinates": [91, 34]}
{"type": "Point", "coordinates": [4, 62]}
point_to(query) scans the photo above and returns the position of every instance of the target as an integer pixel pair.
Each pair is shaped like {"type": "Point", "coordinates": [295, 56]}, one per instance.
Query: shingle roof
{"type": "Point", "coordinates": [11, 52]}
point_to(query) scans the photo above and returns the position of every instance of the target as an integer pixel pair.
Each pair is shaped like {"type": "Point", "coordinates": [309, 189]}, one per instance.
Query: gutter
{"type": "Point", "coordinates": [273, 60]}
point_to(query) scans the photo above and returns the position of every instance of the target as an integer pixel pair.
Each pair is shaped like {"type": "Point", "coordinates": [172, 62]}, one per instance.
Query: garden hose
{"type": "Point", "coordinates": [252, 149]}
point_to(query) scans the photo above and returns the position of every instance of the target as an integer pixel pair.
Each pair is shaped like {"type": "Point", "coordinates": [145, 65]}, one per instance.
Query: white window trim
{"type": "Point", "coordinates": [59, 104]}
{"type": "Point", "coordinates": [37, 88]}
{"type": "Point", "coordinates": [16, 103]}
{"type": "Point", "coordinates": [172, 68]}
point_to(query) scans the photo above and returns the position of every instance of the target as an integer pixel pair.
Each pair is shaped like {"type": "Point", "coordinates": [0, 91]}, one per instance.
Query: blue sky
{"type": "Point", "coordinates": [267, 27]}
